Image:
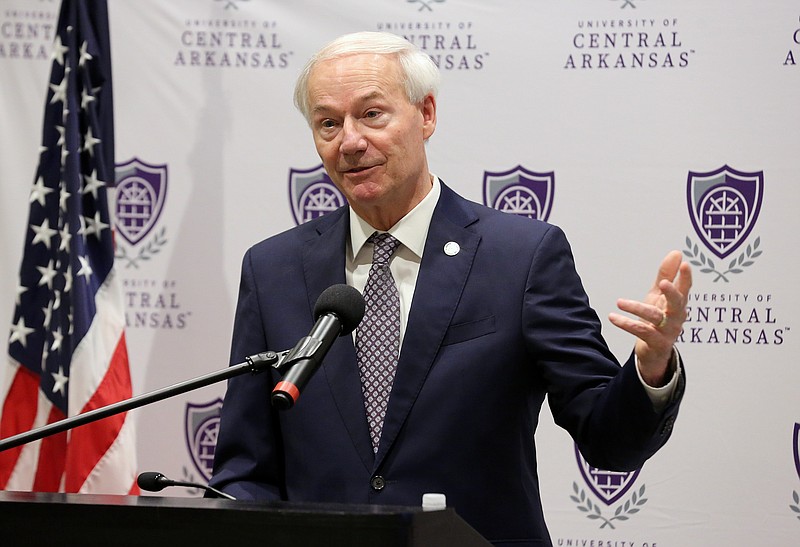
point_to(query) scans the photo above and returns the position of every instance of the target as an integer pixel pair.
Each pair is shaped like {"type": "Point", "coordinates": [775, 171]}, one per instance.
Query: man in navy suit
{"type": "Point", "coordinates": [493, 317]}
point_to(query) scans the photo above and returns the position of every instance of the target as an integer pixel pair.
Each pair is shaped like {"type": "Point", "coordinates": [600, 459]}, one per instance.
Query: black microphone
{"type": "Point", "coordinates": [156, 482]}
{"type": "Point", "coordinates": [339, 310]}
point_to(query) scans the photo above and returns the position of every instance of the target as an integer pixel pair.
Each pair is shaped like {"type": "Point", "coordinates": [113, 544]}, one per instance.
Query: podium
{"type": "Point", "coordinates": [28, 518]}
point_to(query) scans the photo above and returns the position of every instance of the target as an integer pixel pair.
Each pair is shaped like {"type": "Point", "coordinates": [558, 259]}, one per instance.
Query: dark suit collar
{"type": "Point", "coordinates": [324, 252]}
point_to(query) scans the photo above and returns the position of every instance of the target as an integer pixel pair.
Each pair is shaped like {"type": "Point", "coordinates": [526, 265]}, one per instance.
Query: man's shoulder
{"type": "Point", "coordinates": [294, 237]}
{"type": "Point", "coordinates": [494, 220]}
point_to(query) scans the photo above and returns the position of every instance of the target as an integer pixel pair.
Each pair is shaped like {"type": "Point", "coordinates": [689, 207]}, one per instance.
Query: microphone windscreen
{"type": "Point", "coordinates": [343, 301]}
{"type": "Point", "coordinates": [149, 480]}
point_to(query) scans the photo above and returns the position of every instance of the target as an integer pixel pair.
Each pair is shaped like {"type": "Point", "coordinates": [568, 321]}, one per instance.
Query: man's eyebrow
{"type": "Point", "coordinates": [319, 109]}
{"type": "Point", "coordinates": [370, 96]}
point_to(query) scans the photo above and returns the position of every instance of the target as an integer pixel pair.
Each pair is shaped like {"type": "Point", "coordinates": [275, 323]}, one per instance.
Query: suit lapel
{"type": "Point", "coordinates": [324, 253]}
{"type": "Point", "coordinates": [439, 286]}
{"type": "Point", "coordinates": [323, 266]}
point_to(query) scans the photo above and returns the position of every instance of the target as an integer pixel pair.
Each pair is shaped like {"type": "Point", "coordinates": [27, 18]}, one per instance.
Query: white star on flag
{"type": "Point", "coordinates": [59, 381]}
{"type": "Point", "coordinates": [39, 191]}
{"type": "Point", "coordinates": [44, 233]}
{"type": "Point", "coordinates": [20, 332]}
{"type": "Point", "coordinates": [86, 269]}
{"type": "Point", "coordinates": [92, 184]}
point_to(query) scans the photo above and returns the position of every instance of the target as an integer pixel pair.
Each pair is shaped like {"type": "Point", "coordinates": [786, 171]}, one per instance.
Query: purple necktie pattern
{"type": "Point", "coordinates": [378, 336]}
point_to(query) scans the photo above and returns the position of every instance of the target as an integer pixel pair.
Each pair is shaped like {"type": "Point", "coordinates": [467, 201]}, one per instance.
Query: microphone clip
{"type": "Point", "coordinates": [260, 361]}
{"type": "Point", "coordinates": [306, 347]}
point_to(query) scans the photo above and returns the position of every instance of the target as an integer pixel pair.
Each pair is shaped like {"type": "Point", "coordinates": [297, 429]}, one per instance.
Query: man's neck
{"type": "Point", "coordinates": [383, 218]}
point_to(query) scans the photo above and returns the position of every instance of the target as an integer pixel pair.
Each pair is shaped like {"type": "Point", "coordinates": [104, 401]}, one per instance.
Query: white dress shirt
{"type": "Point", "coordinates": [411, 231]}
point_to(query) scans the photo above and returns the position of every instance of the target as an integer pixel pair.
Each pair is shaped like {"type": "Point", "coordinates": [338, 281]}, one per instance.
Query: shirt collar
{"type": "Point", "coordinates": [411, 230]}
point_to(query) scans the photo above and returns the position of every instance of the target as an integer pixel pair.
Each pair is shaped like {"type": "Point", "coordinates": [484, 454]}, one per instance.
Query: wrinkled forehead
{"type": "Point", "coordinates": [354, 65]}
{"type": "Point", "coordinates": [355, 75]}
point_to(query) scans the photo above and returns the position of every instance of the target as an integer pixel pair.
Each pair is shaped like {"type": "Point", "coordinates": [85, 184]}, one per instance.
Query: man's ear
{"type": "Point", "coordinates": [428, 116]}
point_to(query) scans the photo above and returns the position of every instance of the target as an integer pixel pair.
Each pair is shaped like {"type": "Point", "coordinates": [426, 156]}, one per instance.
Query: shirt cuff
{"type": "Point", "coordinates": [661, 396]}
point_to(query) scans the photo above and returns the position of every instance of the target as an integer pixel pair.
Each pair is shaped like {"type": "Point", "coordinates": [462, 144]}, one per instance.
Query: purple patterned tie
{"type": "Point", "coordinates": [378, 339]}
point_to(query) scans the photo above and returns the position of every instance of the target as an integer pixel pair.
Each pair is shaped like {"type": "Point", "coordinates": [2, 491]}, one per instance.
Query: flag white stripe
{"type": "Point", "coordinates": [92, 357]}
{"type": "Point", "coordinates": [116, 471]}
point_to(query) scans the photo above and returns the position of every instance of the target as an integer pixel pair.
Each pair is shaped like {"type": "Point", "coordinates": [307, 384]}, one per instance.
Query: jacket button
{"type": "Point", "coordinates": [377, 483]}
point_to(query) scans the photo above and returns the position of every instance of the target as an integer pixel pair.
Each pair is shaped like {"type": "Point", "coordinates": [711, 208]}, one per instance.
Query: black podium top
{"type": "Point", "coordinates": [83, 519]}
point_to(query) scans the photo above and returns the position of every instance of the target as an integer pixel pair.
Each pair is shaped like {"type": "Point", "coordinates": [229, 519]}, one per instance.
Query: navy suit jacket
{"type": "Point", "coordinates": [491, 331]}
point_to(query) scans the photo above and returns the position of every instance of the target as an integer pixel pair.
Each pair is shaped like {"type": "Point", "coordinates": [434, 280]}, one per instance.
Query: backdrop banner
{"type": "Point", "coordinates": [638, 126]}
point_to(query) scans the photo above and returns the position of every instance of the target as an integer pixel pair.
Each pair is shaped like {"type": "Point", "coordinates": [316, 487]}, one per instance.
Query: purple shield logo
{"type": "Point", "coordinates": [201, 425]}
{"type": "Point", "coordinates": [520, 192]}
{"type": "Point", "coordinates": [141, 190]}
{"type": "Point", "coordinates": [312, 194]}
{"type": "Point", "coordinates": [724, 205]}
{"type": "Point", "coordinates": [797, 449]}
{"type": "Point", "coordinates": [609, 486]}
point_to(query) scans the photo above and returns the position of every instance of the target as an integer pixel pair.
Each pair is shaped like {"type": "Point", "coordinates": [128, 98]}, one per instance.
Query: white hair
{"type": "Point", "coordinates": [420, 74]}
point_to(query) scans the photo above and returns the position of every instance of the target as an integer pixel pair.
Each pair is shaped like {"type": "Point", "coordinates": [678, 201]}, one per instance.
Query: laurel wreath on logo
{"type": "Point", "coordinates": [153, 247]}
{"type": "Point", "coordinates": [796, 508]}
{"type": "Point", "coordinates": [592, 510]}
{"type": "Point", "coordinates": [736, 266]}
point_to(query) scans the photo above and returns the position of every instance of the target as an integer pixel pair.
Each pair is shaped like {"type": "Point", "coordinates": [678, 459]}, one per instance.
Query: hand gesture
{"type": "Point", "coordinates": [660, 318]}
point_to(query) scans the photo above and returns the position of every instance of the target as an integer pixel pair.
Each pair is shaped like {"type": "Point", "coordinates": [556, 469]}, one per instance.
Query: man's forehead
{"type": "Point", "coordinates": [364, 79]}
{"type": "Point", "coordinates": [357, 65]}
{"type": "Point", "coordinates": [324, 102]}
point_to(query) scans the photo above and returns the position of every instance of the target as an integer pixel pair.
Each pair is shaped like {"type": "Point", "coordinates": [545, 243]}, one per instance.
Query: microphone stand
{"type": "Point", "coordinates": [254, 364]}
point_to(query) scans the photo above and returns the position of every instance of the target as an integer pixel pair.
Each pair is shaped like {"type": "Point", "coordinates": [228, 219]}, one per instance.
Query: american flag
{"type": "Point", "coordinates": [67, 352]}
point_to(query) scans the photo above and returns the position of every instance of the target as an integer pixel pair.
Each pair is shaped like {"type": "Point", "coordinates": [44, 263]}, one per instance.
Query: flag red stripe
{"type": "Point", "coordinates": [88, 443]}
{"type": "Point", "coordinates": [50, 467]}
{"type": "Point", "coordinates": [19, 413]}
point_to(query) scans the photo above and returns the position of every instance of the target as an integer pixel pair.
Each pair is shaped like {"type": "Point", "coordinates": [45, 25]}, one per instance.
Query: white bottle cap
{"type": "Point", "coordinates": [434, 502]}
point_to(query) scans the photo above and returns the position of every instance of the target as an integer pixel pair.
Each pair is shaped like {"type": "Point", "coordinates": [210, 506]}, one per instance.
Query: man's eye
{"type": "Point", "coordinates": [372, 114]}
{"type": "Point", "coordinates": [327, 124]}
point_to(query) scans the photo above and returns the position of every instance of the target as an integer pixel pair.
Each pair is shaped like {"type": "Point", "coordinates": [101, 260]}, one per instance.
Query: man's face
{"type": "Point", "coordinates": [369, 136]}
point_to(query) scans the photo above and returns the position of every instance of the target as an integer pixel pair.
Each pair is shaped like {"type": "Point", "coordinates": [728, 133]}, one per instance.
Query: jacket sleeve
{"type": "Point", "coordinates": [604, 407]}
{"type": "Point", "coordinates": [247, 461]}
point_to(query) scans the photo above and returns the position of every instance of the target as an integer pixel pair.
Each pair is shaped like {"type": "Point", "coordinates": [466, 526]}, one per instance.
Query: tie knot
{"type": "Point", "coordinates": [385, 244]}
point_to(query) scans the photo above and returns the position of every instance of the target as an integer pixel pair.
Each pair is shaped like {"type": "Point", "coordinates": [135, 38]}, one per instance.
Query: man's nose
{"type": "Point", "coordinates": [353, 140]}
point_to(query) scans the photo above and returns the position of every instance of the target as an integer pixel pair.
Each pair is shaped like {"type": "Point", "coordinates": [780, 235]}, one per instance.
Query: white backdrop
{"type": "Point", "coordinates": [622, 100]}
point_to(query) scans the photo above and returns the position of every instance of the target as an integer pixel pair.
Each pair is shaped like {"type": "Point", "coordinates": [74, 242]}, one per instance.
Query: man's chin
{"type": "Point", "coordinates": [366, 193]}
